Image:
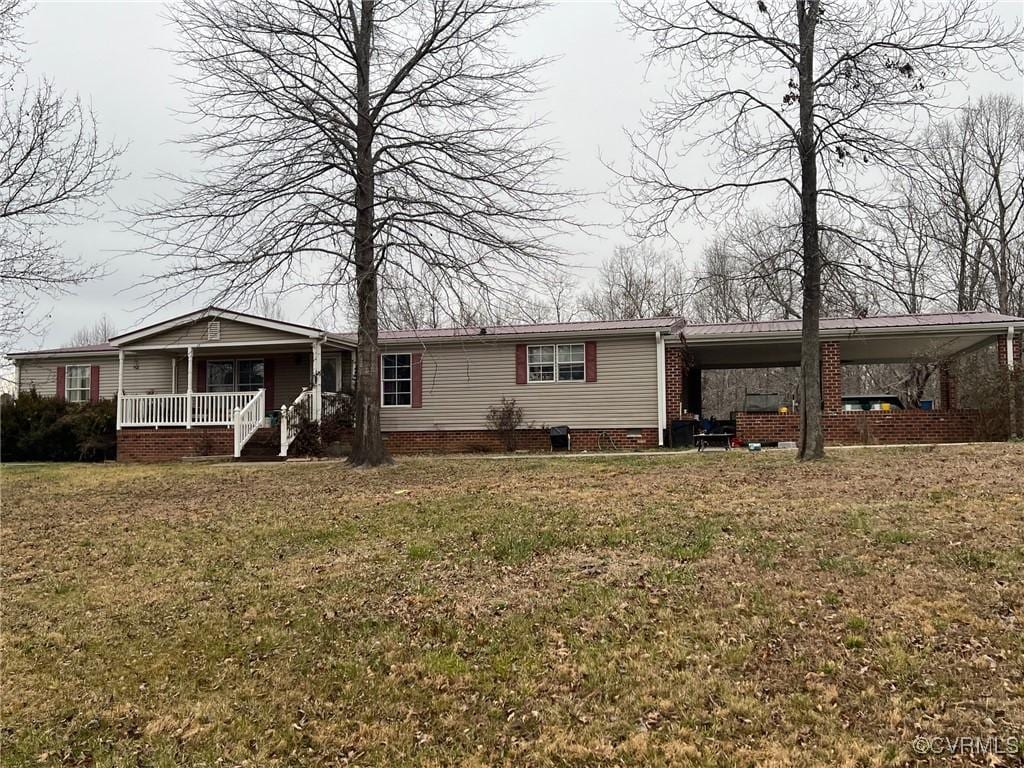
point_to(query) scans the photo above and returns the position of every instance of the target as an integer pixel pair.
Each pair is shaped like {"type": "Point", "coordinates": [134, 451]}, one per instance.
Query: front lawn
{"type": "Point", "coordinates": [722, 609]}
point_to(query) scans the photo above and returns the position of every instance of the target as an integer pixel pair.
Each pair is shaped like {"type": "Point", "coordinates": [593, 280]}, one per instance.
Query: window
{"type": "Point", "coordinates": [234, 375]}
{"type": "Point", "coordinates": [330, 370]}
{"type": "Point", "coordinates": [570, 362]}
{"type": "Point", "coordinates": [220, 376]}
{"type": "Point", "coordinates": [541, 362]}
{"type": "Point", "coordinates": [396, 379]}
{"type": "Point", "coordinates": [76, 383]}
{"type": "Point", "coordinates": [556, 362]}
{"type": "Point", "coordinates": [250, 375]}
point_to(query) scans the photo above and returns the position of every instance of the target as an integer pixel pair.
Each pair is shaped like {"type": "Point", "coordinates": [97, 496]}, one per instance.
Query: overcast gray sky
{"type": "Point", "coordinates": [111, 54]}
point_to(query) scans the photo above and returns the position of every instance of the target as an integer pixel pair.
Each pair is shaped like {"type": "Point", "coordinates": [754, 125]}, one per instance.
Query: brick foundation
{"type": "Point", "coordinates": [866, 428]}
{"type": "Point", "coordinates": [138, 444]}
{"type": "Point", "coordinates": [174, 444]}
{"type": "Point", "coordinates": [533, 440]}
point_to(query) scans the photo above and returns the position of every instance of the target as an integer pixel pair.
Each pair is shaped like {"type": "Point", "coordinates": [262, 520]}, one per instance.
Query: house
{"type": "Point", "coordinates": [208, 381]}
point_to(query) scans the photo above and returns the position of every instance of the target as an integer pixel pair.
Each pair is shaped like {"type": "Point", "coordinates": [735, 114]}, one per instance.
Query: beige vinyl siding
{"type": "Point", "coordinates": [291, 376]}
{"type": "Point", "coordinates": [231, 331]}
{"type": "Point", "coordinates": [41, 373]}
{"type": "Point", "coordinates": [462, 380]}
{"type": "Point", "coordinates": [146, 374]}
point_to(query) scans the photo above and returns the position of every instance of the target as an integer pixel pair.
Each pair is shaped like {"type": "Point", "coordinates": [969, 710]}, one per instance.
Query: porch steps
{"type": "Point", "coordinates": [264, 445]}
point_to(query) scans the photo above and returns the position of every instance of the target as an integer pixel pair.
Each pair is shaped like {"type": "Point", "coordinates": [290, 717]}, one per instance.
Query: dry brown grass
{"type": "Point", "coordinates": [726, 609]}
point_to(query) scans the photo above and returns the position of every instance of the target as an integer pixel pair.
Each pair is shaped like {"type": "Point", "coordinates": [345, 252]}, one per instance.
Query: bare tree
{"type": "Point", "coordinates": [349, 139]}
{"type": "Point", "coordinates": [53, 170]}
{"type": "Point", "coordinates": [634, 282]}
{"type": "Point", "coordinates": [96, 333]}
{"type": "Point", "coordinates": [800, 99]}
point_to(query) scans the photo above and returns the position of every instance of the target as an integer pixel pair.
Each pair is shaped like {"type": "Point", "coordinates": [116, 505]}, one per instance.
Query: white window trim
{"type": "Point", "coordinates": [381, 379]}
{"type": "Point", "coordinates": [555, 363]}
{"type": "Point", "coordinates": [67, 384]}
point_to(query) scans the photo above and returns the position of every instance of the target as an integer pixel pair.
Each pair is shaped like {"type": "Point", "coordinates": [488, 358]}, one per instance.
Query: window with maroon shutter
{"type": "Point", "coordinates": [60, 382]}
{"type": "Point", "coordinates": [520, 363]}
{"type": "Point", "coordinates": [201, 376]}
{"type": "Point", "coordinates": [560, 362]}
{"type": "Point", "coordinates": [77, 388]}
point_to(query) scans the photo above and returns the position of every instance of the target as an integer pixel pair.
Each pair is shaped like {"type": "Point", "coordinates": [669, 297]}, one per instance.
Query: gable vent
{"type": "Point", "coordinates": [213, 330]}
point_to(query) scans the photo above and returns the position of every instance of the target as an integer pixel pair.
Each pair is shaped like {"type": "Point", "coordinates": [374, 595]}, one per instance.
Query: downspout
{"type": "Point", "coordinates": [1012, 381]}
{"type": "Point", "coordinates": [659, 343]}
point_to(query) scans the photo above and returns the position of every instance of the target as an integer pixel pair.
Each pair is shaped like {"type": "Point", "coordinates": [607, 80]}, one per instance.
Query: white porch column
{"type": "Point", "coordinates": [659, 343]}
{"type": "Point", "coordinates": [120, 384]}
{"type": "Point", "coordinates": [174, 375]}
{"type": "Point", "coordinates": [188, 391]}
{"type": "Point", "coordinates": [317, 377]}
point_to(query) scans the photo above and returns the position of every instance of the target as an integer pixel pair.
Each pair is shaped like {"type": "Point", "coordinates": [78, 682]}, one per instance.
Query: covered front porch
{"type": "Point", "coordinates": [231, 387]}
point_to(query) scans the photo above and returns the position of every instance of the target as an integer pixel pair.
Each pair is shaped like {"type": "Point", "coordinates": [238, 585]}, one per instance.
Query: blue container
{"type": "Point", "coordinates": [926, 405]}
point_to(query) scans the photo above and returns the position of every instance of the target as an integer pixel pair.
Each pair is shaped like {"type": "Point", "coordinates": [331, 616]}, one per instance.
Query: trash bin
{"type": "Point", "coordinates": [561, 440]}
{"type": "Point", "coordinates": [681, 433]}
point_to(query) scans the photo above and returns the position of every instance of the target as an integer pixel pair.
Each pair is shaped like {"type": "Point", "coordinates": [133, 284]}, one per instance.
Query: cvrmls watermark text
{"type": "Point", "coordinates": [969, 745]}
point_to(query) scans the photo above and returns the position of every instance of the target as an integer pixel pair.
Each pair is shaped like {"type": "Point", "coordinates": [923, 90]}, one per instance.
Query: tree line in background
{"type": "Point", "coordinates": [380, 151]}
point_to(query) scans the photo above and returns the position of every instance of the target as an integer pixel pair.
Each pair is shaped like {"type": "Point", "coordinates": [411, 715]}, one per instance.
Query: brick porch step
{"type": "Point", "coordinates": [265, 445]}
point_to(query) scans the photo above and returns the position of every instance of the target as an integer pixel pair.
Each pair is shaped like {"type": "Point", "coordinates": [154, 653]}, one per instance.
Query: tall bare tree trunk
{"type": "Point", "coordinates": [367, 443]}
{"type": "Point", "coordinates": [812, 439]}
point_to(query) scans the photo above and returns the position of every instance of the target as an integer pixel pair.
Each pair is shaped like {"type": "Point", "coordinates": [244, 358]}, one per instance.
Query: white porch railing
{"type": "Point", "coordinates": [248, 419]}
{"type": "Point", "coordinates": [291, 418]}
{"type": "Point", "coordinates": [198, 409]}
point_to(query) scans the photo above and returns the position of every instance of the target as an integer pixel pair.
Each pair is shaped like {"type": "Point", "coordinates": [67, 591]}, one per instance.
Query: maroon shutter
{"type": "Point", "coordinates": [94, 384]}
{"type": "Point", "coordinates": [268, 384]}
{"type": "Point", "coordinates": [590, 360]}
{"type": "Point", "coordinates": [417, 379]}
{"type": "Point", "coordinates": [200, 376]}
{"type": "Point", "coordinates": [520, 363]}
{"type": "Point", "coordinates": [60, 382]}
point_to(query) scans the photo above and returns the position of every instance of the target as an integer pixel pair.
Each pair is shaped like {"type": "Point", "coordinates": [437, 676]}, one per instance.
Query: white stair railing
{"type": "Point", "coordinates": [291, 418]}
{"type": "Point", "coordinates": [249, 419]}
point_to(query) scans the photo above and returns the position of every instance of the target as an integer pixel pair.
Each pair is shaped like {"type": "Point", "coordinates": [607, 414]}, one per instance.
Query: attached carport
{"type": "Point", "coordinates": [940, 338]}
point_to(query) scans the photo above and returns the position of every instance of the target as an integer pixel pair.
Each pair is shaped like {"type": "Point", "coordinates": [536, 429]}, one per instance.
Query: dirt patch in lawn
{"type": "Point", "coordinates": [726, 609]}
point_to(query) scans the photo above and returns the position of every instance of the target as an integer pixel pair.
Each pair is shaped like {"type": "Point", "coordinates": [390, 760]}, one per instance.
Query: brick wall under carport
{"type": "Point", "coordinates": [867, 428]}
{"type": "Point", "coordinates": [140, 444]}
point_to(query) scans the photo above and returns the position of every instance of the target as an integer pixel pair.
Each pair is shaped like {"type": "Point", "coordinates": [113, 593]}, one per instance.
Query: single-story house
{"type": "Point", "coordinates": [207, 381]}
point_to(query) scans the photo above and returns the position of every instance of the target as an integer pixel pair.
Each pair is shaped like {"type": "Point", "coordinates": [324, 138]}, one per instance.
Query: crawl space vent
{"type": "Point", "coordinates": [213, 330]}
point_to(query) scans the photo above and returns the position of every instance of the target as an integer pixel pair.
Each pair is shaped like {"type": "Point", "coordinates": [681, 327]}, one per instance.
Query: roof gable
{"type": "Point", "coordinates": [183, 323]}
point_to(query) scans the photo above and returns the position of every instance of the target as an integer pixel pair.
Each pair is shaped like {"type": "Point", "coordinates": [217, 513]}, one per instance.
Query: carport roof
{"type": "Point", "coordinates": [878, 339]}
{"type": "Point", "coordinates": [844, 326]}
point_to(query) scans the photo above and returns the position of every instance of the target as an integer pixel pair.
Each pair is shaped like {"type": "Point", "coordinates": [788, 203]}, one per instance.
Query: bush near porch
{"type": "Point", "coordinates": [34, 428]}
{"type": "Point", "coordinates": [655, 610]}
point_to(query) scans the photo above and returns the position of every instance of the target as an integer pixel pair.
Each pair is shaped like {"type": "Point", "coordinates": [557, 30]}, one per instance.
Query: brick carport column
{"type": "Point", "coordinates": [947, 387]}
{"type": "Point", "coordinates": [675, 376]}
{"type": "Point", "coordinates": [1001, 350]}
{"type": "Point", "coordinates": [831, 378]}
{"type": "Point", "coordinates": [1014, 380]}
